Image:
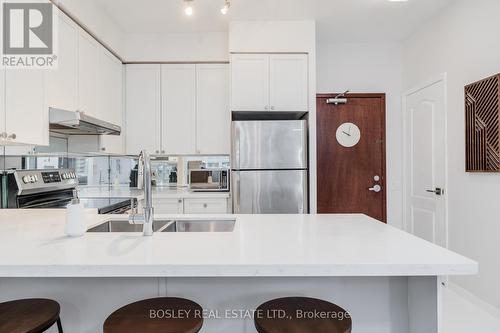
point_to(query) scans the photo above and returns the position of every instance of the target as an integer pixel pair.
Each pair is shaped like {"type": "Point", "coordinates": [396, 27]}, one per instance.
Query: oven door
{"type": "Point", "coordinates": [59, 199]}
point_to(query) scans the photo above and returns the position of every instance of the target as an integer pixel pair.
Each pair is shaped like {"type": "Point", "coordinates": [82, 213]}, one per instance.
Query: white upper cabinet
{"type": "Point", "coordinates": [213, 116]}
{"type": "Point", "coordinates": [26, 113]}
{"type": "Point", "coordinates": [250, 82]}
{"type": "Point", "coordinates": [288, 82]}
{"type": "Point", "coordinates": [269, 82]}
{"type": "Point", "coordinates": [2, 104]}
{"type": "Point", "coordinates": [178, 91]}
{"type": "Point", "coordinates": [62, 82]}
{"type": "Point", "coordinates": [142, 108]}
{"type": "Point", "coordinates": [88, 73]}
{"type": "Point", "coordinates": [110, 100]}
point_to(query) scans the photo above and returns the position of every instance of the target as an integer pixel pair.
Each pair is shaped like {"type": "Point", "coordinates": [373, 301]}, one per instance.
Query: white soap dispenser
{"type": "Point", "coordinates": [76, 225]}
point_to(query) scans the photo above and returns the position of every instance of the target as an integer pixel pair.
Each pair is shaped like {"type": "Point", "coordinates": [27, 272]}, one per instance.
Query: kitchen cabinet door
{"type": "Point", "coordinates": [110, 103]}
{"type": "Point", "coordinates": [178, 116]}
{"type": "Point", "coordinates": [205, 206]}
{"type": "Point", "coordinates": [62, 82]}
{"type": "Point", "coordinates": [26, 113]}
{"type": "Point", "coordinates": [213, 115]}
{"type": "Point", "coordinates": [142, 116]}
{"type": "Point", "coordinates": [88, 73]}
{"type": "Point", "coordinates": [289, 82]}
{"type": "Point", "coordinates": [168, 206]}
{"type": "Point", "coordinates": [2, 104]}
{"type": "Point", "coordinates": [250, 82]}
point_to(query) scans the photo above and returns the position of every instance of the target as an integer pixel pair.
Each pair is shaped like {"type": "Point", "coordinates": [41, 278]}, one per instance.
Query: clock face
{"type": "Point", "coordinates": [348, 135]}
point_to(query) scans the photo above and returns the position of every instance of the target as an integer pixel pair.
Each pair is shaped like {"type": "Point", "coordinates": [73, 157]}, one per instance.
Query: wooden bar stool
{"type": "Point", "coordinates": [156, 315]}
{"type": "Point", "coordinates": [29, 316]}
{"type": "Point", "coordinates": [301, 315]}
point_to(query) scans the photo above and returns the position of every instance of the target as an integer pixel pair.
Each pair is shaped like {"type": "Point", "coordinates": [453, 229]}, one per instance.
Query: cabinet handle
{"type": "Point", "coordinates": [205, 205]}
{"type": "Point", "coordinates": [157, 151]}
{"type": "Point", "coordinates": [272, 107]}
{"type": "Point", "coordinates": [3, 135]}
{"type": "Point", "coordinates": [266, 107]}
{"type": "Point", "coordinates": [180, 201]}
{"type": "Point", "coordinates": [103, 148]}
{"type": "Point", "coordinates": [13, 136]}
{"type": "Point", "coordinates": [163, 152]}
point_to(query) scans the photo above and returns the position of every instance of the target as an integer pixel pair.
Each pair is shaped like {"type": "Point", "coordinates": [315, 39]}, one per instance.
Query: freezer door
{"type": "Point", "coordinates": [269, 145]}
{"type": "Point", "coordinates": [270, 192]}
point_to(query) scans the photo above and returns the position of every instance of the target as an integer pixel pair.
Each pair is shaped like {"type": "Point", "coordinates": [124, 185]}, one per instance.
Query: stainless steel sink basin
{"type": "Point", "coordinates": [201, 226]}
{"type": "Point", "coordinates": [193, 225]}
{"type": "Point", "coordinates": [124, 226]}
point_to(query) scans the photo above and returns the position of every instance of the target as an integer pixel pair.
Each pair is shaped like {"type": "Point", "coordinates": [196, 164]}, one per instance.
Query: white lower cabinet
{"type": "Point", "coordinates": [190, 205]}
{"type": "Point", "coordinates": [168, 206]}
{"type": "Point", "coordinates": [205, 206]}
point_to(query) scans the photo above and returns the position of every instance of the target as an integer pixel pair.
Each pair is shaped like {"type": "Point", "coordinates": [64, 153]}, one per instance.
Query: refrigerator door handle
{"type": "Point", "coordinates": [237, 194]}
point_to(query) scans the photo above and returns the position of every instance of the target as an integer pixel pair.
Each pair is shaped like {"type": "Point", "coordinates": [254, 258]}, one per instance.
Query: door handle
{"type": "Point", "coordinates": [437, 191]}
{"type": "Point", "coordinates": [377, 188]}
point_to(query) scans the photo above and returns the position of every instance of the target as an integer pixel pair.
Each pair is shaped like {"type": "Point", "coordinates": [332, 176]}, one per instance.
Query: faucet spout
{"type": "Point", "coordinates": [144, 182]}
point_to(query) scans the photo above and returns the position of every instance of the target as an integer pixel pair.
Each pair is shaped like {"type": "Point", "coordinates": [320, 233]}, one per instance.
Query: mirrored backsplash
{"type": "Point", "coordinates": [95, 169]}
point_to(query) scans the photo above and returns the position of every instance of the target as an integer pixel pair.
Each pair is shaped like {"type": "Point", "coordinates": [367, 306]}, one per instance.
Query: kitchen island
{"type": "Point", "coordinates": [388, 280]}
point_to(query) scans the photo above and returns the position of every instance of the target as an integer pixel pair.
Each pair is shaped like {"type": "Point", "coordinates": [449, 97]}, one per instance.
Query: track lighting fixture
{"type": "Point", "coordinates": [224, 10]}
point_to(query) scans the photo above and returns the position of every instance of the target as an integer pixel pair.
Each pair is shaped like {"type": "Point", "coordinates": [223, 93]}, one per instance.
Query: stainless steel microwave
{"type": "Point", "coordinates": [209, 180]}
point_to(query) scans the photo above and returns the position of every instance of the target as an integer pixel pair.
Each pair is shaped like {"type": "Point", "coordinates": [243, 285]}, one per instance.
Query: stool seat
{"type": "Point", "coordinates": [301, 315]}
{"type": "Point", "coordinates": [34, 315]}
{"type": "Point", "coordinates": [156, 315]}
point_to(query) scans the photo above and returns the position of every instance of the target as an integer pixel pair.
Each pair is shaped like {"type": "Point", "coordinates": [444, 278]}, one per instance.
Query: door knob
{"type": "Point", "coordinates": [437, 191]}
{"type": "Point", "coordinates": [377, 188]}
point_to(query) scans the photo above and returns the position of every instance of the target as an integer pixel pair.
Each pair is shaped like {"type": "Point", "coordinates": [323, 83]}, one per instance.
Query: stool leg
{"type": "Point", "coordinates": [59, 325]}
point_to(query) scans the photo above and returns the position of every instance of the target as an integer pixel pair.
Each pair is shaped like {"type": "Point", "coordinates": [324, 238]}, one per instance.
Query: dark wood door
{"type": "Point", "coordinates": [347, 176]}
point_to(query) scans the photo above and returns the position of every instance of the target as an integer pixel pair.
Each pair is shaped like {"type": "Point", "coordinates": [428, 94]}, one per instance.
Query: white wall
{"type": "Point", "coordinates": [374, 68]}
{"type": "Point", "coordinates": [191, 47]}
{"type": "Point", "coordinates": [91, 15]}
{"type": "Point", "coordinates": [463, 41]}
{"type": "Point", "coordinates": [274, 36]}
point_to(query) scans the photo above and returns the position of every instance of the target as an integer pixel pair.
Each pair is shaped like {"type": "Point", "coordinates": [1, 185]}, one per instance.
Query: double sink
{"type": "Point", "coordinates": [184, 225]}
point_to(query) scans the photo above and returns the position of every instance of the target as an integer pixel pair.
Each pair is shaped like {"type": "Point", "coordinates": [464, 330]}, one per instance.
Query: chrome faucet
{"type": "Point", "coordinates": [144, 182]}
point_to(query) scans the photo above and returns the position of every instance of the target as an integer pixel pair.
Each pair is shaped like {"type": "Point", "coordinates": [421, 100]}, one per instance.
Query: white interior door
{"type": "Point", "coordinates": [425, 169]}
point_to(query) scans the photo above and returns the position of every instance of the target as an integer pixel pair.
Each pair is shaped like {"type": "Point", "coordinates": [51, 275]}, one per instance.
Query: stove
{"type": "Point", "coordinates": [39, 188]}
{"type": "Point", "coordinates": [28, 189]}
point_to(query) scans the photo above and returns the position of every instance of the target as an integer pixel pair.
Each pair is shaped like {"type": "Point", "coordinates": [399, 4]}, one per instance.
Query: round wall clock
{"type": "Point", "coordinates": [348, 135]}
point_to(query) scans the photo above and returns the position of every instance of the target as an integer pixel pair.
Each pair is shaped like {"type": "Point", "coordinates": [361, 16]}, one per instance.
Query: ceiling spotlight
{"type": "Point", "coordinates": [225, 9]}
{"type": "Point", "coordinates": [188, 7]}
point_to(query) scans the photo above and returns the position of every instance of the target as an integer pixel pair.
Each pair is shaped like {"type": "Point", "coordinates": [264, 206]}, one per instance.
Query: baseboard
{"type": "Point", "coordinates": [467, 295]}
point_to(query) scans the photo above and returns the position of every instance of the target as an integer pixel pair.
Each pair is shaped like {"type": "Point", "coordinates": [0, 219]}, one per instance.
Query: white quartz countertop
{"type": "Point", "coordinates": [158, 192]}
{"type": "Point", "coordinates": [33, 244]}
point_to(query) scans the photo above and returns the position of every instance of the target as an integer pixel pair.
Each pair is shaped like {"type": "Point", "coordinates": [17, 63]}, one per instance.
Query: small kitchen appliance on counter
{"type": "Point", "coordinates": [209, 180]}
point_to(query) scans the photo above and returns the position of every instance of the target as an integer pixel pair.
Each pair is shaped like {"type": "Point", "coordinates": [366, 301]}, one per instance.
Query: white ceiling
{"type": "Point", "coordinates": [337, 20]}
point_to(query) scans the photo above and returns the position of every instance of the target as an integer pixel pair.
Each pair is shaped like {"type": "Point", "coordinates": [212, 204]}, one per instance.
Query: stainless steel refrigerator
{"type": "Point", "coordinates": [270, 167]}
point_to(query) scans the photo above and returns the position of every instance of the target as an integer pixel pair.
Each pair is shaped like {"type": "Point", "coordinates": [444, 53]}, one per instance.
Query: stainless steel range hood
{"type": "Point", "coordinates": [78, 123]}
